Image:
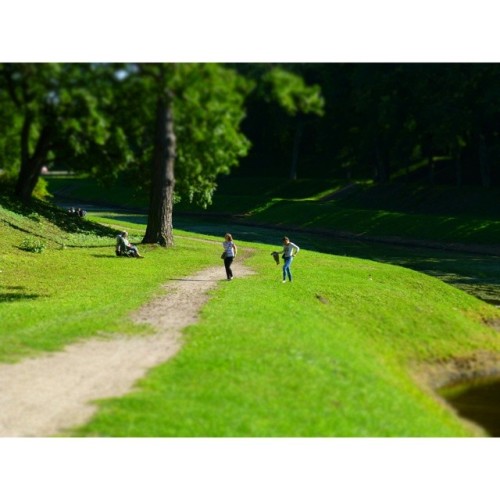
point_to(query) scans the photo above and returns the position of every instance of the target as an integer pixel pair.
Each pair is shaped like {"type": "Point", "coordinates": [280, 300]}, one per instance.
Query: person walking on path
{"type": "Point", "coordinates": [290, 250]}
{"type": "Point", "coordinates": [229, 254]}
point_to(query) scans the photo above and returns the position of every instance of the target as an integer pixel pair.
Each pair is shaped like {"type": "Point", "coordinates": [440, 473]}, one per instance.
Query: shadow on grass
{"type": "Point", "coordinates": [14, 294]}
{"type": "Point", "coordinates": [186, 279]}
{"type": "Point", "coordinates": [124, 257]}
{"type": "Point", "coordinates": [58, 216]}
{"type": "Point", "coordinates": [12, 297]}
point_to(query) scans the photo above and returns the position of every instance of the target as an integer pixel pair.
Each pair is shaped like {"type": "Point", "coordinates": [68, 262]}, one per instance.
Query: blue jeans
{"type": "Point", "coordinates": [286, 268]}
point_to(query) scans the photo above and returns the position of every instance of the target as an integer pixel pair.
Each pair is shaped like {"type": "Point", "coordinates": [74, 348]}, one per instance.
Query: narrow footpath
{"type": "Point", "coordinates": [49, 394]}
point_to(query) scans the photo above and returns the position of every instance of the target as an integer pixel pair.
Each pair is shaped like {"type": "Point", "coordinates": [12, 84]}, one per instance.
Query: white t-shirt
{"type": "Point", "coordinates": [229, 248]}
{"type": "Point", "coordinates": [288, 249]}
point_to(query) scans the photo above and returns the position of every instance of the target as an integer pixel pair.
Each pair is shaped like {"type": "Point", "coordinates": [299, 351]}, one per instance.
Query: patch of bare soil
{"type": "Point", "coordinates": [435, 376]}
{"type": "Point", "coordinates": [44, 396]}
{"type": "Point", "coordinates": [441, 373]}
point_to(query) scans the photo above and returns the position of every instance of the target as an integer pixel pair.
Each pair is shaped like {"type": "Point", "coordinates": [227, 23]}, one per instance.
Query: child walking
{"type": "Point", "coordinates": [230, 252]}
{"type": "Point", "coordinates": [290, 250]}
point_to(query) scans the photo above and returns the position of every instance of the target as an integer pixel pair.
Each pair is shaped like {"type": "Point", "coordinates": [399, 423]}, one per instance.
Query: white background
{"type": "Point", "coordinates": [257, 31]}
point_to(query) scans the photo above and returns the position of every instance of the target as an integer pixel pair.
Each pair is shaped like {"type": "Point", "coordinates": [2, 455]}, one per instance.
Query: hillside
{"type": "Point", "coordinates": [441, 217]}
{"type": "Point", "coordinates": [352, 347]}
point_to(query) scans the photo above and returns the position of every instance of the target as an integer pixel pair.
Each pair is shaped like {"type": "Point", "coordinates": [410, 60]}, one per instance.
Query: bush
{"type": "Point", "coordinates": [32, 245]}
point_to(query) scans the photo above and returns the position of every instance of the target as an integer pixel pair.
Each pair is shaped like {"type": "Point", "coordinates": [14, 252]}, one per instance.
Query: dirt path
{"type": "Point", "coordinates": [45, 395]}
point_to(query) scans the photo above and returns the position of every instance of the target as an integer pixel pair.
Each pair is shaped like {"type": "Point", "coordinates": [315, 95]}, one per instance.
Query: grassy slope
{"type": "Point", "coordinates": [79, 289]}
{"type": "Point", "coordinates": [444, 214]}
{"type": "Point", "coordinates": [327, 355]}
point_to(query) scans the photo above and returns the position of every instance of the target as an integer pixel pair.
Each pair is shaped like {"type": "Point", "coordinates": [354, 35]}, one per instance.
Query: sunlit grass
{"type": "Point", "coordinates": [76, 287]}
{"type": "Point", "coordinates": [327, 355]}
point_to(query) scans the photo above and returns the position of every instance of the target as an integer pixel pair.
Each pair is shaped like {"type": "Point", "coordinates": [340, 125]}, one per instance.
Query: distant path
{"type": "Point", "coordinates": [48, 394]}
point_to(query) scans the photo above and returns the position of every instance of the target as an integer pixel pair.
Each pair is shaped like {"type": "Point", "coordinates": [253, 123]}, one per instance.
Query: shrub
{"type": "Point", "coordinates": [32, 245]}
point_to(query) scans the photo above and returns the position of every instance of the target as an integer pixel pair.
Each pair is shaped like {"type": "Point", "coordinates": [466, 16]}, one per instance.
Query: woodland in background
{"type": "Point", "coordinates": [421, 122]}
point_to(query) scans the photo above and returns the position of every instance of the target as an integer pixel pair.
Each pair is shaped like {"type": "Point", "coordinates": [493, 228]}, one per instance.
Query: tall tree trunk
{"type": "Point", "coordinates": [31, 165]}
{"type": "Point", "coordinates": [295, 151]}
{"type": "Point", "coordinates": [160, 226]}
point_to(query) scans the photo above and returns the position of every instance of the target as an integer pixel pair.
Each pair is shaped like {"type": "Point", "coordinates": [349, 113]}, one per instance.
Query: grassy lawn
{"type": "Point", "coordinates": [76, 287]}
{"type": "Point", "coordinates": [328, 355]}
{"type": "Point", "coordinates": [372, 222]}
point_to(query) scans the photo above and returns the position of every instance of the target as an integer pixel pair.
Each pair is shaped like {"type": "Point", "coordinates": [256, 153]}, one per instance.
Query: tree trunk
{"type": "Point", "coordinates": [160, 226]}
{"type": "Point", "coordinates": [31, 165]}
{"type": "Point", "coordinates": [295, 151]}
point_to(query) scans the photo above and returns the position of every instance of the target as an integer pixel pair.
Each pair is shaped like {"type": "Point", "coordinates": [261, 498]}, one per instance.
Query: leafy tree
{"type": "Point", "coordinates": [56, 116]}
{"type": "Point", "coordinates": [297, 98]}
{"type": "Point", "coordinates": [106, 119]}
{"type": "Point", "coordinates": [185, 125]}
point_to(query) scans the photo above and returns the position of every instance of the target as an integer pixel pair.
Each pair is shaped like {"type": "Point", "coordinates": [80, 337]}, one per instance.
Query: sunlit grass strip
{"type": "Point", "coordinates": [328, 216]}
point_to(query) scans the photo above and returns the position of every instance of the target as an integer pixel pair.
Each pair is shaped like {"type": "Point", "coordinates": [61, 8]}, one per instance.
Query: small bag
{"type": "Point", "coordinates": [223, 256]}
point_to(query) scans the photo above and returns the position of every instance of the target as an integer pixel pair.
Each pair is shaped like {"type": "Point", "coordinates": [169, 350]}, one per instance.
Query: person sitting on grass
{"type": "Point", "coordinates": [125, 248]}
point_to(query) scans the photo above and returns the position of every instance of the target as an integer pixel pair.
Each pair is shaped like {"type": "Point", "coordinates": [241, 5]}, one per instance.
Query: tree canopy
{"type": "Point", "coordinates": [426, 123]}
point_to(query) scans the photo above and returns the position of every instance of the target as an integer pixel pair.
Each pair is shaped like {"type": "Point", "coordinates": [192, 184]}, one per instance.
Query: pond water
{"type": "Point", "coordinates": [479, 403]}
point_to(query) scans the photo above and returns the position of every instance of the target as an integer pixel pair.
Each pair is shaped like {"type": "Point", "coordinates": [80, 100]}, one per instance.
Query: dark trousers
{"type": "Point", "coordinates": [227, 264]}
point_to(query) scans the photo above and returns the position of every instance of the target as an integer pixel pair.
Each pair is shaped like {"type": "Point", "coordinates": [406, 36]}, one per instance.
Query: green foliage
{"type": "Point", "coordinates": [34, 245]}
{"type": "Point", "coordinates": [208, 107]}
{"type": "Point", "coordinates": [292, 94]}
{"type": "Point", "coordinates": [210, 142]}
{"type": "Point", "coordinates": [57, 119]}
{"type": "Point", "coordinates": [41, 189]}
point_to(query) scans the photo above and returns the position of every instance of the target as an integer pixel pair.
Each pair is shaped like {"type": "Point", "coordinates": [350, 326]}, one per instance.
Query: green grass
{"type": "Point", "coordinates": [328, 355]}
{"type": "Point", "coordinates": [376, 223]}
{"type": "Point", "coordinates": [442, 214]}
{"type": "Point", "coordinates": [77, 288]}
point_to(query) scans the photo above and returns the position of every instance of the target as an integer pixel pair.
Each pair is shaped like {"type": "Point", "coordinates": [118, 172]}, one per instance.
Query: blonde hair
{"type": "Point", "coordinates": [228, 237]}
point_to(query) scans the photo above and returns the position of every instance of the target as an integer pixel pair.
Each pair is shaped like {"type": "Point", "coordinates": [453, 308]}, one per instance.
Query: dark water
{"type": "Point", "coordinates": [479, 403]}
